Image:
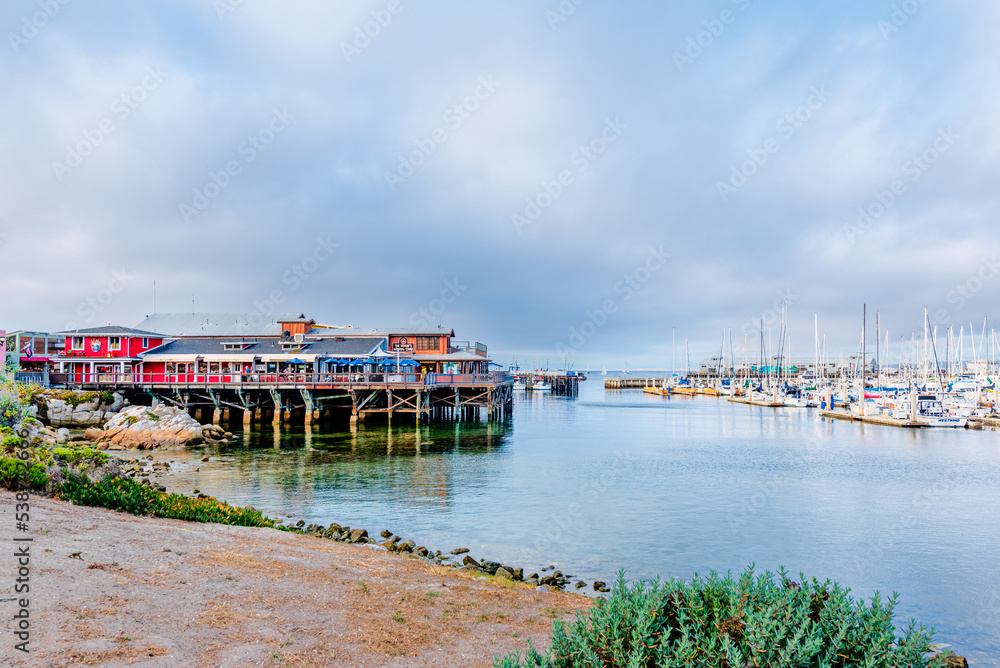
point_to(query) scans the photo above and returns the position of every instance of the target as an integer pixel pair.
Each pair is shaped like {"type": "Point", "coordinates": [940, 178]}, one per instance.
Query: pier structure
{"type": "Point", "coordinates": [220, 366]}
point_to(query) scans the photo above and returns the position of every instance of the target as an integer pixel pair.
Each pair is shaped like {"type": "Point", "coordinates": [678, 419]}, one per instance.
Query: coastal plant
{"type": "Point", "coordinates": [753, 620]}
{"type": "Point", "coordinates": [126, 495]}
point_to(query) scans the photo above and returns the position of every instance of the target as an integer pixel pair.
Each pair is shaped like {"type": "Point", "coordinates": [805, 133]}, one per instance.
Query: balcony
{"type": "Point", "coordinates": [474, 347]}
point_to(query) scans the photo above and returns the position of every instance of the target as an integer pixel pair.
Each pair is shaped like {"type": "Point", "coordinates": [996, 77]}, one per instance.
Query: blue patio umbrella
{"type": "Point", "coordinates": [408, 362]}
{"type": "Point", "coordinates": [295, 361]}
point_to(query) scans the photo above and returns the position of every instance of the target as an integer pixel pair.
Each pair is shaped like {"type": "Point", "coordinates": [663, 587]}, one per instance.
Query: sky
{"type": "Point", "coordinates": [580, 180]}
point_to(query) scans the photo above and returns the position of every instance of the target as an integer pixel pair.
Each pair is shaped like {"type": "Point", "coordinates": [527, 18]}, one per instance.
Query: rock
{"type": "Point", "coordinates": [228, 434]}
{"type": "Point", "coordinates": [147, 428]}
{"type": "Point", "coordinates": [421, 551]}
{"type": "Point", "coordinates": [116, 447]}
{"type": "Point", "coordinates": [490, 566]}
{"type": "Point", "coordinates": [472, 568]}
{"type": "Point", "coordinates": [93, 434]}
{"type": "Point", "coordinates": [332, 532]}
{"type": "Point", "coordinates": [197, 491]}
{"type": "Point", "coordinates": [389, 545]}
{"type": "Point", "coordinates": [504, 574]}
{"type": "Point", "coordinates": [532, 581]}
{"type": "Point", "coordinates": [300, 524]}
{"type": "Point", "coordinates": [469, 561]}
{"type": "Point", "coordinates": [544, 588]}
{"type": "Point", "coordinates": [312, 528]}
{"type": "Point", "coordinates": [205, 458]}
{"type": "Point", "coordinates": [533, 576]}
{"type": "Point", "coordinates": [952, 661]}
{"type": "Point", "coordinates": [386, 533]}
{"type": "Point", "coordinates": [461, 550]}
{"type": "Point", "coordinates": [85, 414]}
{"type": "Point", "coordinates": [408, 546]}
{"type": "Point", "coordinates": [580, 585]}
{"type": "Point", "coordinates": [601, 587]}
{"type": "Point", "coordinates": [357, 535]}
{"type": "Point", "coordinates": [518, 574]}
{"type": "Point", "coordinates": [396, 539]}
{"type": "Point", "coordinates": [62, 435]}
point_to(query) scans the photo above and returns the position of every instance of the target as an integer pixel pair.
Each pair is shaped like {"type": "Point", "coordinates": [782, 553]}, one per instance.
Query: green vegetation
{"type": "Point", "coordinates": [766, 620]}
{"type": "Point", "coordinates": [129, 496]}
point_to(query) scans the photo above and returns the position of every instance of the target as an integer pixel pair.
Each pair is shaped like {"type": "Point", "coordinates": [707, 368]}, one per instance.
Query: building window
{"type": "Point", "coordinates": [114, 343]}
{"type": "Point", "coordinates": [145, 343]}
{"type": "Point", "coordinates": [428, 342]}
{"type": "Point", "coordinates": [77, 343]}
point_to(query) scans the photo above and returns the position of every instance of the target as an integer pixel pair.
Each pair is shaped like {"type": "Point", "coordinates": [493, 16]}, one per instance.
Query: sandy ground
{"type": "Point", "coordinates": [110, 589]}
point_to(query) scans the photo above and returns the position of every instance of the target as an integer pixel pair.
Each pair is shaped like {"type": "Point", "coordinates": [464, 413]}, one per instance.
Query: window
{"type": "Point", "coordinates": [428, 342]}
{"type": "Point", "coordinates": [114, 343]}
{"type": "Point", "coordinates": [77, 343]}
{"type": "Point", "coordinates": [145, 343]}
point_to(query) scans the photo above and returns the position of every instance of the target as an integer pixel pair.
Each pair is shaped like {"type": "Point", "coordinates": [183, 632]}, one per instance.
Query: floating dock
{"type": "Point", "coordinates": [873, 419]}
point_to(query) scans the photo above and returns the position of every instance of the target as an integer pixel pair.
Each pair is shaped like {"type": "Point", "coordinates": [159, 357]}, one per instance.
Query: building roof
{"type": "Point", "coordinates": [213, 349]}
{"type": "Point", "coordinates": [112, 330]}
{"type": "Point", "coordinates": [217, 324]}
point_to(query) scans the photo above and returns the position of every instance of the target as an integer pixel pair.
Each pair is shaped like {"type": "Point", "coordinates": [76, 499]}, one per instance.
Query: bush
{"type": "Point", "coordinates": [766, 620]}
{"type": "Point", "coordinates": [127, 495]}
{"type": "Point", "coordinates": [13, 471]}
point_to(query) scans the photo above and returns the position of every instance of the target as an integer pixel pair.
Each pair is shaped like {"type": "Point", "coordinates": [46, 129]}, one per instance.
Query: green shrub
{"type": "Point", "coordinates": [129, 496]}
{"type": "Point", "coordinates": [14, 475]}
{"type": "Point", "coordinates": [766, 620]}
{"type": "Point", "coordinates": [107, 398]}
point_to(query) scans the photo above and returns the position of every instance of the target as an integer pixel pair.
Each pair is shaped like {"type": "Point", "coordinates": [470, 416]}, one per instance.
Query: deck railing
{"type": "Point", "coordinates": [387, 379]}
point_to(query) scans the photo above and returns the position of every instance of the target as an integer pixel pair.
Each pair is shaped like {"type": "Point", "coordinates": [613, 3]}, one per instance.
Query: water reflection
{"type": "Point", "coordinates": [661, 487]}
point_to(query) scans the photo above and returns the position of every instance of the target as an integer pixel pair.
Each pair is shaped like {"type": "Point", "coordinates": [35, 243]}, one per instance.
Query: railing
{"type": "Point", "coordinates": [386, 379]}
{"type": "Point", "coordinates": [468, 346]}
{"type": "Point", "coordinates": [32, 377]}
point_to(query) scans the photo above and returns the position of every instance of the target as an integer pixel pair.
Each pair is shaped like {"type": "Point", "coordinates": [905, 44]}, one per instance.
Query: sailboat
{"type": "Point", "coordinates": [625, 370]}
{"type": "Point", "coordinates": [604, 370]}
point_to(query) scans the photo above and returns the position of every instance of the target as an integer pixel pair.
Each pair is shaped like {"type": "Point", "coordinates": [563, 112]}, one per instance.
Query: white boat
{"type": "Point", "coordinates": [930, 411]}
{"type": "Point", "coordinates": [541, 385]}
{"type": "Point", "coordinates": [604, 370]}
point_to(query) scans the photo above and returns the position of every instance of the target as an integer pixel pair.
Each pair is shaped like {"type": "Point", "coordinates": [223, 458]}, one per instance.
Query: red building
{"type": "Point", "coordinates": [103, 353]}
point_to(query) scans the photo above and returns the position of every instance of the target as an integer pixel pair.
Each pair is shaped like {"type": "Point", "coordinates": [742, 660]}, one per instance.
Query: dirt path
{"type": "Point", "coordinates": [109, 589]}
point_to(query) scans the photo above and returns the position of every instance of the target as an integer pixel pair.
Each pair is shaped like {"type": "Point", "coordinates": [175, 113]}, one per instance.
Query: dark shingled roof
{"type": "Point", "coordinates": [331, 347]}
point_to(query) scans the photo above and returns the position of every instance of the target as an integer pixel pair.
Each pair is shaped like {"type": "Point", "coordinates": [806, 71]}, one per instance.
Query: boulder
{"type": "Point", "coordinates": [90, 413]}
{"type": "Point", "coordinates": [504, 574]}
{"type": "Point", "coordinates": [601, 586]}
{"type": "Point", "coordinates": [357, 535]}
{"type": "Point", "coordinates": [408, 546]}
{"type": "Point", "coordinates": [62, 435]}
{"type": "Point", "coordinates": [461, 550]}
{"type": "Point", "coordinates": [386, 534]}
{"type": "Point", "coordinates": [469, 561]}
{"type": "Point", "coordinates": [490, 566]}
{"type": "Point", "coordinates": [952, 661]}
{"type": "Point", "coordinates": [145, 428]}
{"type": "Point", "coordinates": [421, 551]}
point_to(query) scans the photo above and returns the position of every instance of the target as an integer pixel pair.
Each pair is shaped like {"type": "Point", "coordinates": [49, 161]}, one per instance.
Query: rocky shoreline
{"type": "Point", "coordinates": [148, 470]}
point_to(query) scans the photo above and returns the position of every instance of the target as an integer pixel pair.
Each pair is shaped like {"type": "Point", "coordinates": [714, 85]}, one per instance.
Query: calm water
{"type": "Point", "coordinates": [666, 488]}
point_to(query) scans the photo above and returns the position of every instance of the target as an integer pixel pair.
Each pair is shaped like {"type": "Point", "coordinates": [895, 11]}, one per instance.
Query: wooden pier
{"type": "Point", "coordinates": [630, 383]}
{"type": "Point", "coordinates": [308, 396]}
{"type": "Point", "coordinates": [873, 419]}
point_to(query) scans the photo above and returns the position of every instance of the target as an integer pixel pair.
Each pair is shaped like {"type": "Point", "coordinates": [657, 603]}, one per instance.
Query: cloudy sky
{"type": "Point", "coordinates": [578, 179]}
